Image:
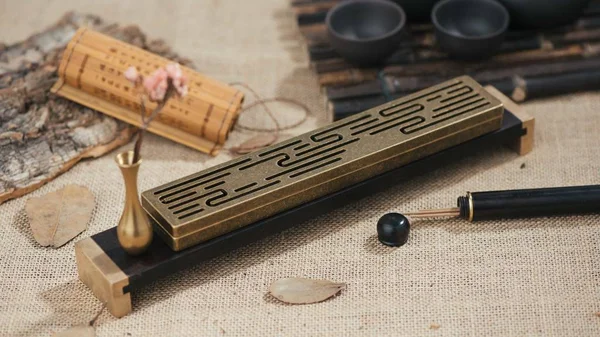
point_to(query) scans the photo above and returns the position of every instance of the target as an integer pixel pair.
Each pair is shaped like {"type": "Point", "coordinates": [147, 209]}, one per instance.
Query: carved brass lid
{"type": "Point", "coordinates": [226, 197]}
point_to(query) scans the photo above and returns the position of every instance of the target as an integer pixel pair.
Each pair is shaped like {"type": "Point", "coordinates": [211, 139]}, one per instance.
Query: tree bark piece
{"type": "Point", "coordinates": [43, 135]}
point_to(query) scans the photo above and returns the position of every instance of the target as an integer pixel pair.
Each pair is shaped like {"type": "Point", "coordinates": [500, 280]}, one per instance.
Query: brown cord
{"type": "Point", "coordinates": [278, 128]}
{"type": "Point", "coordinates": [260, 101]}
{"type": "Point", "coordinates": [276, 99]}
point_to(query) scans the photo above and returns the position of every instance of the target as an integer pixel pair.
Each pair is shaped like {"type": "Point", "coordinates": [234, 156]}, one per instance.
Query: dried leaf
{"type": "Point", "coordinates": [303, 291]}
{"type": "Point", "coordinates": [59, 216]}
{"type": "Point", "coordinates": [77, 331]}
{"type": "Point", "coordinates": [255, 143]}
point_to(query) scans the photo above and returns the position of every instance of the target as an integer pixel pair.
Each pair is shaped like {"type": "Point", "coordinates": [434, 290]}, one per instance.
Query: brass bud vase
{"type": "Point", "coordinates": [134, 230]}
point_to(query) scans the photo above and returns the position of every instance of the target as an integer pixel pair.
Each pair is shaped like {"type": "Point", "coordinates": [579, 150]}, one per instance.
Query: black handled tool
{"type": "Point", "coordinates": [393, 227]}
{"type": "Point", "coordinates": [522, 203]}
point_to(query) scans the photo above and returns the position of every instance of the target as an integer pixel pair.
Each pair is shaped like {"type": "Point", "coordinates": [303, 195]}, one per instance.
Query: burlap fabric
{"type": "Point", "coordinates": [536, 277]}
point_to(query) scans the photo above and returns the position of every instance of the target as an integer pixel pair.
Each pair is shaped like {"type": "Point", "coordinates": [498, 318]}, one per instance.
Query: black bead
{"type": "Point", "coordinates": [393, 229]}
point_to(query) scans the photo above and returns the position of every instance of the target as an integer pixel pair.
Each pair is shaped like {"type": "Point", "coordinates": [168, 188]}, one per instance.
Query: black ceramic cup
{"type": "Point", "coordinates": [470, 29]}
{"type": "Point", "coordinates": [365, 32]}
{"type": "Point", "coordinates": [544, 13]}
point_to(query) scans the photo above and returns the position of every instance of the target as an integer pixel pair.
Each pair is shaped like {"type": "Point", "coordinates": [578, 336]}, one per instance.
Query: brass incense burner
{"type": "Point", "coordinates": [255, 186]}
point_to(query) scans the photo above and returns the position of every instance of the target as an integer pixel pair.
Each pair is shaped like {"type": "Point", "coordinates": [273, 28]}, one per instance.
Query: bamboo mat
{"type": "Point", "coordinates": [501, 278]}
{"type": "Point", "coordinates": [529, 64]}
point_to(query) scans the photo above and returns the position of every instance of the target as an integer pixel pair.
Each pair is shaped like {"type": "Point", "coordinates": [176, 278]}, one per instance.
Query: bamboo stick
{"type": "Point", "coordinates": [399, 84]}
{"type": "Point", "coordinates": [314, 32]}
{"type": "Point", "coordinates": [321, 52]}
{"type": "Point", "coordinates": [518, 88]}
{"type": "Point", "coordinates": [314, 7]}
{"type": "Point", "coordinates": [374, 87]}
{"type": "Point", "coordinates": [310, 18]}
{"type": "Point", "coordinates": [297, 3]}
{"type": "Point", "coordinates": [521, 89]}
{"type": "Point", "coordinates": [348, 107]}
{"type": "Point", "coordinates": [402, 56]}
{"type": "Point", "coordinates": [569, 59]}
{"type": "Point", "coordinates": [347, 77]}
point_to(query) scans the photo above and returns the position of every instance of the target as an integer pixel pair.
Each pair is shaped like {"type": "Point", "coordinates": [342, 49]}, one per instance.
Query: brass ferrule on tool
{"type": "Point", "coordinates": [465, 205]}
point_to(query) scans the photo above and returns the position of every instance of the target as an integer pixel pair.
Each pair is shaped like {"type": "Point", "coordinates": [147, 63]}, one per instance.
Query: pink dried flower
{"type": "Point", "coordinates": [178, 79]}
{"type": "Point", "coordinates": [159, 87]}
{"type": "Point", "coordinates": [132, 75]}
{"type": "Point", "coordinates": [156, 85]}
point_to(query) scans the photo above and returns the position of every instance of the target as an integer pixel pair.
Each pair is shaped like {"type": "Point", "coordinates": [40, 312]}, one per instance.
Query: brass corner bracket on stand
{"type": "Point", "coordinates": [524, 144]}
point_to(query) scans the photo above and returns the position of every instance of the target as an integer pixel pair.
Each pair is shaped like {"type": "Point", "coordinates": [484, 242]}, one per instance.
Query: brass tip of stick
{"type": "Point", "coordinates": [435, 213]}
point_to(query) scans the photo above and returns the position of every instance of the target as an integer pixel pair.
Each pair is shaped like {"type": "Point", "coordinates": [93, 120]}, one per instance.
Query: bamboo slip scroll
{"type": "Point", "coordinates": [91, 74]}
